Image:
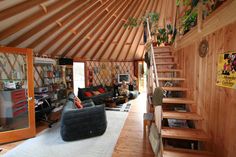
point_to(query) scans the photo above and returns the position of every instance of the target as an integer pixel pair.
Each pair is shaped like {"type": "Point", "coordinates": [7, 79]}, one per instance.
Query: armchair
{"type": "Point", "coordinates": [82, 123]}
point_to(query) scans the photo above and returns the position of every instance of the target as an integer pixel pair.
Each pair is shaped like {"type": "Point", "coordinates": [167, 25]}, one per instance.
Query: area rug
{"type": "Point", "coordinates": [121, 107]}
{"type": "Point", "coordinates": [49, 142]}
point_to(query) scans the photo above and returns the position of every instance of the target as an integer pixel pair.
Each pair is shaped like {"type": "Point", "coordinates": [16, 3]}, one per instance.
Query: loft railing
{"type": "Point", "coordinates": [152, 84]}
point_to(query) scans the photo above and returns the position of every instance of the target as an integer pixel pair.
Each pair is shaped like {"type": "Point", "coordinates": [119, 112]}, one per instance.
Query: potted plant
{"type": "Point", "coordinates": [166, 35]}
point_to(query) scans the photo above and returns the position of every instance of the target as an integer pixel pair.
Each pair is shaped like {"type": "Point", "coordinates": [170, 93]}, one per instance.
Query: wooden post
{"type": "Point", "coordinates": [199, 18]}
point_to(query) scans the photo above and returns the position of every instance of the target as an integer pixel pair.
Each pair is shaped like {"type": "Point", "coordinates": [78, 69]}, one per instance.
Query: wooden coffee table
{"type": "Point", "coordinates": [114, 101]}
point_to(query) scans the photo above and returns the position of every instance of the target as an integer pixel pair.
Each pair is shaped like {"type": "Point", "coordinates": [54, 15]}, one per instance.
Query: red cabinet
{"type": "Point", "coordinates": [15, 103]}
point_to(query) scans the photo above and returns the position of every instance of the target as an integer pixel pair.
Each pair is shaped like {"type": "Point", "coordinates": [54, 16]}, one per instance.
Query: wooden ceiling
{"type": "Point", "coordinates": [83, 29]}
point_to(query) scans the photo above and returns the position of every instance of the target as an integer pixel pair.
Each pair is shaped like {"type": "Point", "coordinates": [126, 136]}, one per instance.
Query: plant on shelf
{"type": "Point", "coordinates": [166, 35]}
{"type": "Point", "coordinates": [189, 20]}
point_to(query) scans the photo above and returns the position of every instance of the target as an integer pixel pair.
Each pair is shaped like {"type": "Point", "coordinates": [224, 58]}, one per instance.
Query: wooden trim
{"type": "Point", "coordinates": [223, 16]}
{"type": "Point", "coordinates": [30, 79]}
{"type": "Point", "coordinates": [18, 8]}
{"type": "Point", "coordinates": [13, 50]}
{"type": "Point", "coordinates": [29, 132]}
{"type": "Point", "coordinates": [103, 60]}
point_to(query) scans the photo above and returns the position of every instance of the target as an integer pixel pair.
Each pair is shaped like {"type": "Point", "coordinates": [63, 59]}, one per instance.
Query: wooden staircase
{"type": "Point", "coordinates": [168, 72]}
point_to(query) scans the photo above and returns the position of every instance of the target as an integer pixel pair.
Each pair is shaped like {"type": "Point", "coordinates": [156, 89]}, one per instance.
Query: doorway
{"type": "Point", "coordinates": [142, 73]}
{"type": "Point", "coordinates": [78, 76]}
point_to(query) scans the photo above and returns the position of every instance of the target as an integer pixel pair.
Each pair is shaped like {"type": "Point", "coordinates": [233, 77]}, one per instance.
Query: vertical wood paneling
{"type": "Point", "coordinates": [216, 104]}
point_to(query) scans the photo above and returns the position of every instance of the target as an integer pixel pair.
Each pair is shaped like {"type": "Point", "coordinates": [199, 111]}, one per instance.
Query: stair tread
{"type": "Point", "coordinates": [184, 133]}
{"type": "Point", "coordinates": [177, 101]}
{"type": "Point", "coordinates": [171, 79]}
{"type": "Point", "coordinates": [169, 70]}
{"type": "Point", "coordinates": [173, 152]}
{"type": "Point", "coordinates": [175, 88]}
{"type": "Point", "coordinates": [163, 57]}
{"type": "Point", "coordinates": [181, 115]}
{"type": "Point", "coordinates": [165, 63]}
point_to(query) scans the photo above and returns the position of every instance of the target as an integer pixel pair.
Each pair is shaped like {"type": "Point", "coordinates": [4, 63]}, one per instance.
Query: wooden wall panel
{"type": "Point", "coordinates": [216, 104]}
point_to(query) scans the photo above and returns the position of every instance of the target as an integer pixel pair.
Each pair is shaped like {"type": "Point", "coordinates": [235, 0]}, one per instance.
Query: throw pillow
{"type": "Point", "coordinates": [88, 94]}
{"type": "Point", "coordinates": [78, 102]}
{"type": "Point", "coordinates": [78, 105]}
{"type": "Point", "coordinates": [96, 92]}
{"type": "Point", "coordinates": [101, 90]}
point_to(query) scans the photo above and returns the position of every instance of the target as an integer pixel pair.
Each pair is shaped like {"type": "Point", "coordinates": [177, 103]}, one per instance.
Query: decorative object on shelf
{"type": "Point", "coordinates": [203, 48]}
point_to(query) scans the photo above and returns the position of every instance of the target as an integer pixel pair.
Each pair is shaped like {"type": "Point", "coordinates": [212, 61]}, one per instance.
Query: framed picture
{"type": "Point", "coordinates": [226, 71]}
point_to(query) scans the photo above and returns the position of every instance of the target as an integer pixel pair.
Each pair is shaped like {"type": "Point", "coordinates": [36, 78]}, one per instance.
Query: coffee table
{"type": "Point", "coordinates": [114, 101]}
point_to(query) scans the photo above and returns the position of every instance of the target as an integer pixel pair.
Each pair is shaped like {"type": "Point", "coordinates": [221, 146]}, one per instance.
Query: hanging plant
{"type": "Point", "coordinates": [134, 22]}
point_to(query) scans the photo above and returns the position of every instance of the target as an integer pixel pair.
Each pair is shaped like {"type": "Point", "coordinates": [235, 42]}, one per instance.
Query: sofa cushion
{"type": "Point", "coordinates": [81, 92]}
{"type": "Point", "coordinates": [101, 90]}
{"type": "Point", "coordinates": [96, 92]}
{"type": "Point", "coordinates": [88, 94]}
{"type": "Point", "coordinates": [96, 87]}
{"type": "Point", "coordinates": [78, 104]}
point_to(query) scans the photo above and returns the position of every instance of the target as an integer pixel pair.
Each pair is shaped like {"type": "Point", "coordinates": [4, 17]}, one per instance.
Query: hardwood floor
{"type": "Point", "coordinates": [131, 142]}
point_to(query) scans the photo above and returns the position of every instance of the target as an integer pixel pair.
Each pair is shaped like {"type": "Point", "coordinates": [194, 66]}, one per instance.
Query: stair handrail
{"type": "Point", "coordinates": [156, 84]}
{"type": "Point", "coordinates": [152, 61]}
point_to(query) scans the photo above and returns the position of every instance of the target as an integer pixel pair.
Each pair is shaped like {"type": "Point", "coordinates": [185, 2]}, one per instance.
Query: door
{"type": "Point", "coordinates": [17, 111]}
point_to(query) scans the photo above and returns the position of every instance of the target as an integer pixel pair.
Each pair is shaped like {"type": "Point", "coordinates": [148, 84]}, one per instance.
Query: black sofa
{"type": "Point", "coordinates": [82, 123]}
{"type": "Point", "coordinates": [97, 99]}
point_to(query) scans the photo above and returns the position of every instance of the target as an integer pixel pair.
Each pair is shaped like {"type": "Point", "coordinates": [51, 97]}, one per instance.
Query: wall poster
{"type": "Point", "coordinates": [226, 71]}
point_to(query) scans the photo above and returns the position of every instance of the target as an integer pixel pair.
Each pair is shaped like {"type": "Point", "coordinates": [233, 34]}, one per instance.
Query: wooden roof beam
{"type": "Point", "coordinates": [140, 36]}
{"type": "Point", "coordinates": [71, 26]}
{"type": "Point", "coordinates": [29, 20]}
{"type": "Point", "coordinates": [88, 24]}
{"type": "Point", "coordinates": [55, 28]}
{"type": "Point", "coordinates": [46, 22]}
{"type": "Point", "coordinates": [141, 13]}
{"type": "Point", "coordinates": [18, 8]}
{"type": "Point", "coordinates": [122, 33]}
{"type": "Point", "coordinates": [104, 24]}
{"type": "Point", "coordinates": [117, 24]}
{"type": "Point", "coordinates": [136, 48]}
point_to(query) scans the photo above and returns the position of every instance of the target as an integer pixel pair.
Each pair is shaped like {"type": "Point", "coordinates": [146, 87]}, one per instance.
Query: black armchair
{"type": "Point", "coordinates": [82, 123]}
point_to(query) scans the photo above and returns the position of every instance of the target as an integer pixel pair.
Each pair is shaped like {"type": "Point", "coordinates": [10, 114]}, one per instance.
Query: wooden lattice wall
{"type": "Point", "coordinates": [12, 67]}
{"type": "Point", "coordinates": [104, 72]}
